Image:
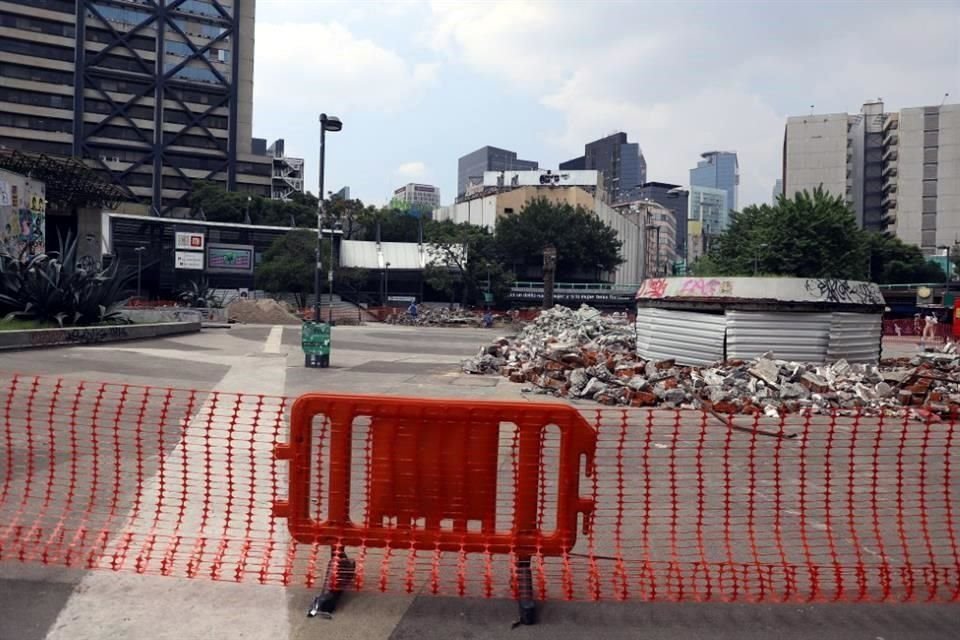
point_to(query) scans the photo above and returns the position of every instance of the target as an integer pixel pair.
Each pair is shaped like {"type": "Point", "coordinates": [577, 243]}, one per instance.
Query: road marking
{"type": "Point", "coordinates": [274, 340]}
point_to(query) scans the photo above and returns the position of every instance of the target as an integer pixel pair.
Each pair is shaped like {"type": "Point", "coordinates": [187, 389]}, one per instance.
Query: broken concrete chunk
{"type": "Point", "coordinates": [793, 390]}
{"type": "Point", "coordinates": [766, 370]}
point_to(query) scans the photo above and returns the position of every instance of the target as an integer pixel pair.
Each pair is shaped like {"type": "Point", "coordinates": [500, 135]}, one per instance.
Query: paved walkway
{"type": "Point", "coordinates": [37, 603]}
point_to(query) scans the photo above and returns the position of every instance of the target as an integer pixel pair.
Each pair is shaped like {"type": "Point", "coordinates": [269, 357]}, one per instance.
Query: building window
{"type": "Point", "coordinates": [36, 50]}
{"type": "Point", "coordinates": [35, 74]}
{"type": "Point", "coordinates": [930, 204]}
{"type": "Point", "coordinates": [35, 98]}
{"type": "Point", "coordinates": [37, 25]}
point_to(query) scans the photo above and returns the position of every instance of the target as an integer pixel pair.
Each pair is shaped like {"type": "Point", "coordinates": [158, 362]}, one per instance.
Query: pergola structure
{"type": "Point", "coordinates": [69, 182]}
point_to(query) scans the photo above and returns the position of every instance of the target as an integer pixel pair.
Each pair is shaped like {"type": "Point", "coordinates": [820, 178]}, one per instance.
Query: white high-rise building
{"type": "Point", "coordinates": [898, 171]}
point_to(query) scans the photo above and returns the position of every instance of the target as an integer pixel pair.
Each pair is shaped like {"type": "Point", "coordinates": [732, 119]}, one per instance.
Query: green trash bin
{"type": "Point", "coordinates": [315, 340]}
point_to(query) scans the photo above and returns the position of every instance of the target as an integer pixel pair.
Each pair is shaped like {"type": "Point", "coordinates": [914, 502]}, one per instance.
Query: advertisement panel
{"type": "Point", "coordinates": [189, 241]}
{"type": "Point", "coordinates": [541, 177]}
{"type": "Point", "coordinates": [229, 258]}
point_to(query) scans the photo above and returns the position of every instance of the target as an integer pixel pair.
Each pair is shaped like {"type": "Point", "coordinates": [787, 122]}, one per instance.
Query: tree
{"type": "Point", "coordinates": [395, 226]}
{"type": "Point", "coordinates": [467, 255]}
{"type": "Point", "coordinates": [892, 261]}
{"type": "Point", "coordinates": [584, 243]}
{"type": "Point", "coordinates": [288, 265]}
{"type": "Point", "coordinates": [808, 236]}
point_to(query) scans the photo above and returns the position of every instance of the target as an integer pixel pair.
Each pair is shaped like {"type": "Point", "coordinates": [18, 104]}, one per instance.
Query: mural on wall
{"type": "Point", "coordinates": [22, 217]}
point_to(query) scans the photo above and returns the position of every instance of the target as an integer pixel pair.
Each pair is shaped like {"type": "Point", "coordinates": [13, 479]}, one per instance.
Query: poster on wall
{"type": "Point", "coordinates": [230, 258]}
{"type": "Point", "coordinates": [5, 200]}
{"type": "Point", "coordinates": [188, 260]}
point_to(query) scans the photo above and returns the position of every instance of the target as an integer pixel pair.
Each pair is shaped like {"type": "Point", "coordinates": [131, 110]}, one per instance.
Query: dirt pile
{"type": "Point", "coordinates": [266, 311]}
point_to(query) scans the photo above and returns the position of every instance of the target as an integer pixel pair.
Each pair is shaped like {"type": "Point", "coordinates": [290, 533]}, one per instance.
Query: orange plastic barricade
{"type": "Point", "coordinates": [432, 469]}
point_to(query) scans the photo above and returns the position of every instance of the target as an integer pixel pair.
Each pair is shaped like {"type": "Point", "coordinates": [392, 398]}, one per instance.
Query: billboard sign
{"type": "Point", "coordinates": [230, 258]}
{"type": "Point", "coordinates": [188, 241]}
{"type": "Point", "coordinates": [188, 260]}
{"type": "Point", "coordinates": [541, 178]}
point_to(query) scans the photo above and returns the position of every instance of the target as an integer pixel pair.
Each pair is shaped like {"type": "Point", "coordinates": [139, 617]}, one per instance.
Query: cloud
{"type": "Point", "coordinates": [681, 79]}
{"type": "Point", "coordinates": [313, 66]}
{"type": "Point", "coordinates": [412, 170]}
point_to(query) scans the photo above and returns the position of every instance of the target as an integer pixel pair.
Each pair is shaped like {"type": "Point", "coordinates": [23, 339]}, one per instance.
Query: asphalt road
{"type": "Point", "coordinates": [39, 602]}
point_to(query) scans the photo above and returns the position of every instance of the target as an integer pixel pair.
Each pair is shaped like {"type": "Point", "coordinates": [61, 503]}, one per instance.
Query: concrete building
{"type": "Point", "coordinates": [486, 210]}
{"type": "Point", "coordinates": [922, 176]}
{"type": "Point", "coordinates": [844, 154]}
{"type": "Point", "coordinates": [896, 170]}
{"type": "Point", "coordinates": [707, 217]}
{"type": "Point", "coordinates": [675, 198]}
{"type": "Point", "coordinates": [660, 227]}
{"type": "Point", "coordinates": [718, 170]}
{"type": "Point", "coordinates": [777, 191]}
{"type": "Point", "coordinates": [150, 95]}
{"type": "Point", "coordinates": [470, 168]}
{"type": "Point", "coordinates": [287, 176]}
{"type": "Point", "coordinates": [621, 163]}
{"type": "Point", "coordinates": [422, 197]}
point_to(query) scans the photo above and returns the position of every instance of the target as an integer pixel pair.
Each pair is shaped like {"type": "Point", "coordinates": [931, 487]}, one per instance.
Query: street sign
{"type": "Point", "coordinates": [189, 241]}
{"type": "Point", "coordinates": [188, 260]}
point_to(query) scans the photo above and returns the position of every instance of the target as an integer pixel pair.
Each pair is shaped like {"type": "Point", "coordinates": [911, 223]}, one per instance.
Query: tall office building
{"type": "Point", "coordinates": [718, 170]}
{"type": "Point", "coordinates": [777, 190]}
{"type": "Point", "coordinates": [151, 95]}
{"type": "Point", "coordinates": [707, 217]}
{"type": "Point", "coordinates": [621, 163]}
{"type": "Point", "coordinates": [898, 171]}
{"type": "Point", "coordinates": [470, 167]}
{"type": "Point", "coordinates": [842, 153]}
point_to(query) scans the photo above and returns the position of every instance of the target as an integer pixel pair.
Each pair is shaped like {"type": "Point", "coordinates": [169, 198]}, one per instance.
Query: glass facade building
{"type": "Point", "coordinates": [718, 170]}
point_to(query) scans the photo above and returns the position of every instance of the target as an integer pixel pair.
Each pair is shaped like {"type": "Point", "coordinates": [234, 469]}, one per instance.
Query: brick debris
{"type": "Point", "coordinates": [585, 355]}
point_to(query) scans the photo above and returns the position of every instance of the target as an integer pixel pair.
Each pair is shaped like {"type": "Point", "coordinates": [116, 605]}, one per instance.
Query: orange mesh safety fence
{"type": "Point", "coordinates": [676, 505]}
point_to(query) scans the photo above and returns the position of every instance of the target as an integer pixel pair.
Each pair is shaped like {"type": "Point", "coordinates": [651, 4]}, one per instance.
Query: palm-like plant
{"type": "Point", "coordinates": [55, 287]}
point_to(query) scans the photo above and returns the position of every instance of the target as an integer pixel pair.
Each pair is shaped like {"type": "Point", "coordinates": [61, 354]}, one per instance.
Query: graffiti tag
{"type": "Point", "coordinates": [94, 335]}
{"type": "Point", "coordinates": [706, 288]}
{"type": "Point", "coordinates": [653, 288]}
{"type": "Point", "coordinates": [834, 290]}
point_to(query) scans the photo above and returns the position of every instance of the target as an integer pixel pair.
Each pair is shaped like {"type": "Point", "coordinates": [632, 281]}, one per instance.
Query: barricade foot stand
{"type": "Point", "coordinates": [527, 605]}
{"type": "Point", "coordinates": [339, 576]}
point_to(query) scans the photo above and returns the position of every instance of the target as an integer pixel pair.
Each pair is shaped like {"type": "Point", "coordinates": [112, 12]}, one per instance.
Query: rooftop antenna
{"type": "Point", "coordinates": [944, 101]}
{"type": "Point", "coordinates": [811, 109]}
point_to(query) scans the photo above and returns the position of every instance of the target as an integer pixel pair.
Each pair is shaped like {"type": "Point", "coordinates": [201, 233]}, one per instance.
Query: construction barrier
{"type": "Point", "coordinates": [454, 497]}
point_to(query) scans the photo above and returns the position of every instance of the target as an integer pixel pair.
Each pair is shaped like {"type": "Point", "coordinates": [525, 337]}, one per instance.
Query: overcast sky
{"type": "Point", "coordinates": [418, 84]}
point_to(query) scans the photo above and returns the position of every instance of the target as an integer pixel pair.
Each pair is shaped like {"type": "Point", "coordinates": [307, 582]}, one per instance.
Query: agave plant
{"type": "Point", "coordinates": [55, 287]}
{"type": "Point", "coordinates": [199, 293]}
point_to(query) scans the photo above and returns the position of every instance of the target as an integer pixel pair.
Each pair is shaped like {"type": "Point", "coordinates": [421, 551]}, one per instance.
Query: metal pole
{"type": "Point", "coordinates": [139, 271]}
{"type": "Point", "coordinates": [386, 284]}
{"type": "Point", "coordinates": [330, 280]}
{"type": "Point", "coordinates": [316, 272]}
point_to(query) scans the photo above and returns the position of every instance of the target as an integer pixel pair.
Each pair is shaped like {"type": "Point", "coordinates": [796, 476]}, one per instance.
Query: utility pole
{"type": "Point", "coordinates": [549, 273]}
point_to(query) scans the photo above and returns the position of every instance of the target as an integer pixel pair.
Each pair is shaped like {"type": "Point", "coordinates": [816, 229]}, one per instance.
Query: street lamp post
{"type": "Point", "coordinates": [139, 251]}
{"type": "Point", "coordinates": [327, 123]}
{"type": "Point", "coordinates": [333, 229]}
{"type": "Point", "coordinates": [756, 258]}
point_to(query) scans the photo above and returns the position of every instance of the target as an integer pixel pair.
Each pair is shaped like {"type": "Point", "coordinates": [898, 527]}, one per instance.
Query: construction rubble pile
{"type": "Point", "coordinates": [584, 355]}
{"type": "Point", "coordinates": [439, 316]}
